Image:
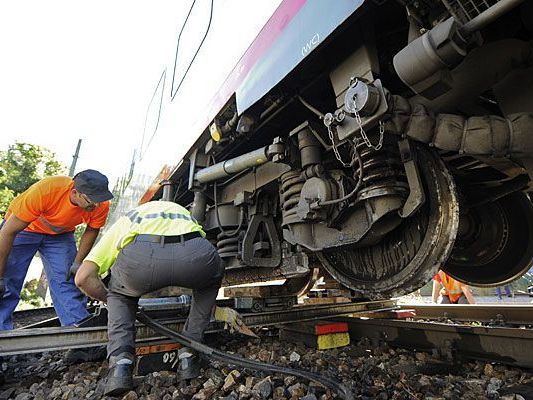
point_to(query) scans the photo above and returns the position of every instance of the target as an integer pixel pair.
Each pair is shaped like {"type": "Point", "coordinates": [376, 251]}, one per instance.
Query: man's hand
{"type": "Point", "coordinates": [72, 270]}
{"type": "Point", "coordinates": [2, 287]}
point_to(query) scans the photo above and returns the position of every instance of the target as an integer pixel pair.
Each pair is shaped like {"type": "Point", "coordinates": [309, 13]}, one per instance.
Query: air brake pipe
{"type": "Point", "coordinates": [198, 206]}
{"type": "Point", "coordinates": [224, 357]}
{"type": "Point", "coordinates": [489, 15]}
{"type": "Point", "coordinates": [229, 167]}
{"type": "Point", "coordinates": [168, 190]}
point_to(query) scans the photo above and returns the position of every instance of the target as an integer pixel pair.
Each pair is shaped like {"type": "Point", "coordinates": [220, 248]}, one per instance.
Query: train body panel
{"type": "Point", "coordinates": [369, 141]}
{"type": "Point", "coordinates": [312, 22]}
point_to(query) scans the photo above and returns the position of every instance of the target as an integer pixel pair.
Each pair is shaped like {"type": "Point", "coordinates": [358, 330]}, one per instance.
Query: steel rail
{"type": "Point", "coordinates": [512, 346]}
{"type": "Point", "coordinates": [515, 314]}
{"type": "Point", "coordinates": [34, 340]}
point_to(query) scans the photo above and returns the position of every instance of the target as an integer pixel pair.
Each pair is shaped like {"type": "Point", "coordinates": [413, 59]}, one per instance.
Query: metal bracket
{"type": "Point", "coordinates": [295, 264]}
{"type": "Point", "coordinates": [349, 125]}
{"type": "Point", "coordinates": [248, 244]}
{"type": "Point", "coordinates": [417, 196]}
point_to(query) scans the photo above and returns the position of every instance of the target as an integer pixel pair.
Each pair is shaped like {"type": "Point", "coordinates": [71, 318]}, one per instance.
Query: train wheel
{"type": "Point", "coordinates": [495, 242]}
{"type": "Point", "coordinates": [408, 257]}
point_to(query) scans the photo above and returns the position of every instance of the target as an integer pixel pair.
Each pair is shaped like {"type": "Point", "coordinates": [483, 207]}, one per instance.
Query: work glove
{"type": "Point", "coordinates": [229, 316]}
{"type": "Point", "coordinates": [2, 287]}
{"type": "Point", "coordinates": [72, 270]}
{"type": "Point", "coordinates": [232, 320]}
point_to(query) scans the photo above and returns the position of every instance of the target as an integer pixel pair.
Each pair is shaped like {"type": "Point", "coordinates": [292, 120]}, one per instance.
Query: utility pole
{"type": "Point", "coordinates": [42, 286]}
{"type": "Point", "coordinates": [75, 159]}
{"type": "Point", "coordinates": [132, 166]}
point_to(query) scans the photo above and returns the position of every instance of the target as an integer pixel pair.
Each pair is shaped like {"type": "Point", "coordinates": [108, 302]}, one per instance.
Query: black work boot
{"type": "Point", "coordinates": [119, 378]}
{"type": "Point", "coordinates": [189, 364]}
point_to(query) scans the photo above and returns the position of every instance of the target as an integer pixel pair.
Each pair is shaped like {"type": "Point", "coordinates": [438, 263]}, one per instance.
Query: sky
{"type": "Point", "coordinates": [74, 70]}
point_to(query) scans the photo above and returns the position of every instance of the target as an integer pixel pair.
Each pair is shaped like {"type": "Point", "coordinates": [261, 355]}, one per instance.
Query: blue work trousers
{"type": "Point", "coordinates": [57, 253]}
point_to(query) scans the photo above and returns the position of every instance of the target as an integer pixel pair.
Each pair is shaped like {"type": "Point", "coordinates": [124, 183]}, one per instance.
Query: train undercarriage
{"type": "Point", "coordinates": [401, 145]}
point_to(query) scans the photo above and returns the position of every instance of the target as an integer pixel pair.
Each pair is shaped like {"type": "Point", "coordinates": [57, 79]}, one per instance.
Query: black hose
{"type": "Point", "coordinates": [311, 108]}
{"type": "Point", "coordinates": [355, 189]}
{"type": "Point", "coordinates": [227, 358]}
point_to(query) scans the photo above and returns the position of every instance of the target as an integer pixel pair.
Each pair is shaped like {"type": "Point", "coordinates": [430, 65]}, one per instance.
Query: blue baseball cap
{"type": "Point", "coordinates": [93, 184]}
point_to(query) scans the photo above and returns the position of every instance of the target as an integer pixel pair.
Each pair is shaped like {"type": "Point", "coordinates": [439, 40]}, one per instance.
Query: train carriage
{"type": "Point", "coordinates": [374, 141]}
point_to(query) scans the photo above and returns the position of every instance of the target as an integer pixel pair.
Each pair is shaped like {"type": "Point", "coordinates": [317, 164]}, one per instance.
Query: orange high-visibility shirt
{"type": "Point", "coordinates": [452, 288]}
{"type": "Point", "coordinates": [47, 207]}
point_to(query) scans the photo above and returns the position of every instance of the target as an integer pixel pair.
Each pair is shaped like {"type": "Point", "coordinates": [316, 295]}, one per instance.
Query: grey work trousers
{"type": "Point", "coordinates": [142, 267]}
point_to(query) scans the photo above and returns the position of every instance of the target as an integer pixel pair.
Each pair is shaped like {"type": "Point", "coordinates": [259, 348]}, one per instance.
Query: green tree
{"type": "Point", "coordinates": [6, 195]}
{"type": "Point", "coordinates": [21, 165]}
{"type": "Point", "coordinates": [29, 294]}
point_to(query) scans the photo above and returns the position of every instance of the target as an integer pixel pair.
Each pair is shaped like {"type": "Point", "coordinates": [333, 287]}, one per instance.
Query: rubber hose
{"type": "Point", "coordinates": [224, 357]}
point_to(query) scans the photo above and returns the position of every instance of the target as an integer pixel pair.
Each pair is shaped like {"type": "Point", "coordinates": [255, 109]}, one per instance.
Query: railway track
{"type": "Point", "coordinates": [94, 331]}
{"type": "Point", "coordinates": [448, 330]}
{"type": "Point", "coordinates": [454, 342]}
{"type": "Point", "coordinates": [493, 314]}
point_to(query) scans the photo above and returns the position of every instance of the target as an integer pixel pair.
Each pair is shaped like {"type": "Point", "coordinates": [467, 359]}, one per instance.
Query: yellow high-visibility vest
{"type": "Point", "coordinates": [153, 218]}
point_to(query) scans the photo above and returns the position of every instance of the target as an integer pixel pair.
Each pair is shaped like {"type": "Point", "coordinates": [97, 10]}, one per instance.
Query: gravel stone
{"type": "Point", "coordinates": [131, 395]}
{"type": "Point", "coordinates": [204, 394]}
{"type": "Point", "coordinates": [250, 382]}
{"type": "Point", "coordinates": [24, 396]}
{"type": "Point", "coordinates": [279, 393]}
{"type": "Point", "coordinates": [294, 357]}
{"type": "Point", "coordinates": [297, 390]}
{"type": "Point", "coordinates": [488, 370]}
{"type": "Point", "coordinates": [371, 369]}
{"type": "Point", "coordinates": [231, 381]}
{"type": "Point", "coordinates": [264, 387]}
{"type": "Point", "coordinates": [56, 393]}
{"type": "Point", "coordinates": [231, 396]}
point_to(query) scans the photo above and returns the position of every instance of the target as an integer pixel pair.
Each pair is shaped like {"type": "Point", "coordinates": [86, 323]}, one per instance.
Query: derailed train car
{"type": "Point", "coordinates": [375, 141]}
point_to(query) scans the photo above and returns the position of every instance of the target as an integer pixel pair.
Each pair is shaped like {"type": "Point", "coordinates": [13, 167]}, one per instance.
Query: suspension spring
{"type": "Point", "coordinates": [383, 171]}
{"type": "Point", "coordinates": [227, 247]}
{"type": "Point", "coordinates": [292, 183]}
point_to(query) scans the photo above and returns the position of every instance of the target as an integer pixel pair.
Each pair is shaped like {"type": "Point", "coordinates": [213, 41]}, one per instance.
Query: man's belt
{"type": "Point", "coordinates": [168, 239]}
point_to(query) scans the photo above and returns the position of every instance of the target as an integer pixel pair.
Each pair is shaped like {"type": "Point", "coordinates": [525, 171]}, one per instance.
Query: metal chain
{"type": "Point", "coordinates": [336, 150]}
{"type": "Point", "coordinates": [364, 135]}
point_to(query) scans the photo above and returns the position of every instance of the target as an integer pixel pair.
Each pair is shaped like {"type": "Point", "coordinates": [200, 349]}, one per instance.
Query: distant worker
{"type": "Point", "coordinates": [506, 288]}
{"type": "Point", "coordinates": [447, 290]}
{"type": "Point", "coordinates": [157, 244]}
{"type": "Point", "coordinates": [43, 219]}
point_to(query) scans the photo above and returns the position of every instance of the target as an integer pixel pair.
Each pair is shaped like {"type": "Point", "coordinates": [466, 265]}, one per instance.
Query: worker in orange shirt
{"type": "Point", "coordinates": [447, 290]}
{"type": "Point", "coordinates": [43, 219]}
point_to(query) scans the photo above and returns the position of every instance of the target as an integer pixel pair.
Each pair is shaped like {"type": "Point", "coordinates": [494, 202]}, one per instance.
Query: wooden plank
{"type": "Point", "coordinates": [328, 285]}
{"type": "Point", "coordinates": [248, 291]}
{"type": "Point", "coordinates": [326, 300]}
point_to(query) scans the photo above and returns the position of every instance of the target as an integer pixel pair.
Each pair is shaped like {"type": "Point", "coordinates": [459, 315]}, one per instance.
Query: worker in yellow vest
{"type": "Point", "coordinates": [447, 290]}
{"type": "Point", "coordinates": [156, 244]}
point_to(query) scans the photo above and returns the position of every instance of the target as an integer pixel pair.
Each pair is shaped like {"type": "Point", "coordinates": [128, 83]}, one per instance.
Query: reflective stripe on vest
{"type": "Point", "coordinates": [136, 219]}
{"type": "Point", "coordinates": [55, 229]}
